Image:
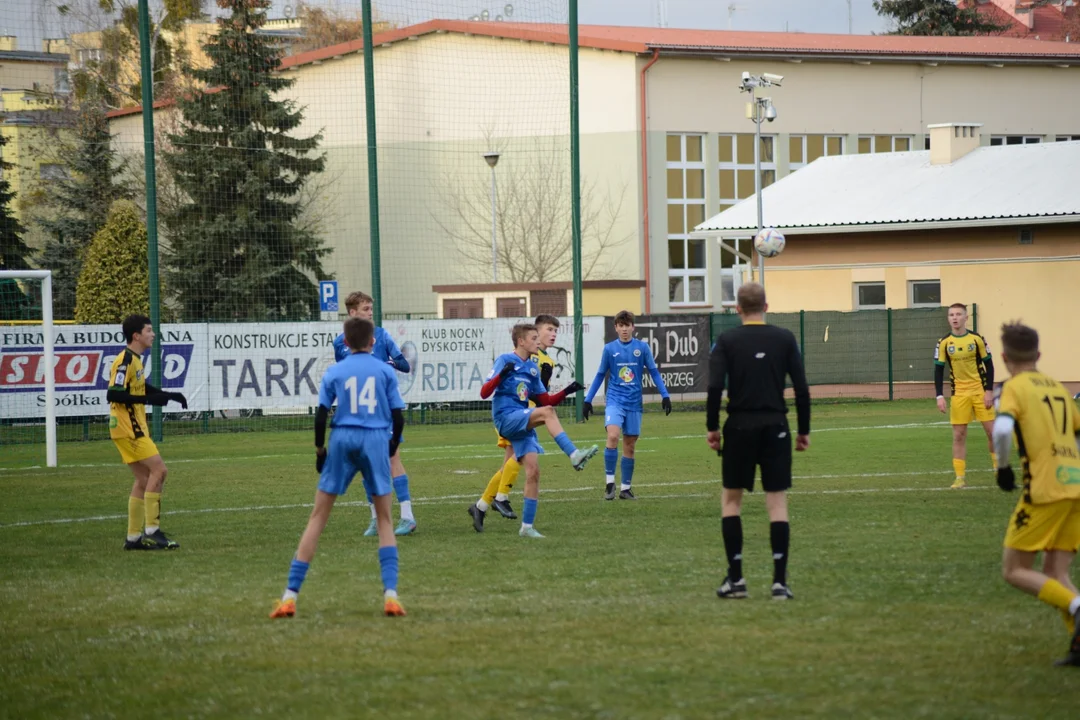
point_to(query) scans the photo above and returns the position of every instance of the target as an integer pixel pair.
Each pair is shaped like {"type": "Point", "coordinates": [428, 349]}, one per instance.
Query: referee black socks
{"type": "Point", "coordinates": [780, 537]}
{"type": "Point", "coordinates": [731, 527]}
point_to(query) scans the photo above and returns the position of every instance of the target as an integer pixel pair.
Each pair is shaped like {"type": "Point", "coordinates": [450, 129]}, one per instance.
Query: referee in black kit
{"type": "Point", "coordinates": [755, 359]}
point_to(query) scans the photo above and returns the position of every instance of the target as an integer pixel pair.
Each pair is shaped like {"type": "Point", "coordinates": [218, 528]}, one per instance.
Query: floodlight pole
{"type": "Point", "coordinates": [757, 178]}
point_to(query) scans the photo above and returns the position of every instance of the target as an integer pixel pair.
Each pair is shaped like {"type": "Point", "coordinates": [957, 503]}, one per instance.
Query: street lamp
{"type": "Point", "coordinates": [759, 110]}
{"type": "Point", "coordinates": [492, 159]}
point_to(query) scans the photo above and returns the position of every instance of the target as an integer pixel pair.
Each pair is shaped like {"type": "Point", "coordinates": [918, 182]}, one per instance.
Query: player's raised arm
{"type": "Point", "coordinates": [394, 353]}
{"type": "Point", "coordinates": [499, 372]}
{"type": "Point", "coordinates": [797, 373]}
{"type": "Point", "coordinates": [717, 377]}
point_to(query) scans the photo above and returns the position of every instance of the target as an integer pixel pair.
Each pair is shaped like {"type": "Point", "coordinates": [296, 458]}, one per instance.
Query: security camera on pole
{"type": "Point", "coordinates": [759, 110]}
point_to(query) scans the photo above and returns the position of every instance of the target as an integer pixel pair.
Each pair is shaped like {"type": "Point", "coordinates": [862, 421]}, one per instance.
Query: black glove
{"type": "Point", "coordinates": [573, 388]}
{"type": "Point", "coordinates": [1006, 478]}
{"type": "Point", "coordinates": [320, 459]}
{"type": "Point", "coordinates": [178, 397]}
{"type": "Point", "coordinates": [666, 404]}
{"type": "Point", "coordinates": [507, 371]}
{"type": "Point", "coordinates": [586, 410]}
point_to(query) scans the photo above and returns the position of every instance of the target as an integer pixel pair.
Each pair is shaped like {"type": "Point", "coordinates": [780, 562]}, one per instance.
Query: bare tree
{"type": "Point", "coordinates": [533, 219]}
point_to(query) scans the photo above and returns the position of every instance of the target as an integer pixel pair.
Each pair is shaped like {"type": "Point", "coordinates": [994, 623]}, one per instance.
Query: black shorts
{"type": "Point", "coordinates": [749, 445]}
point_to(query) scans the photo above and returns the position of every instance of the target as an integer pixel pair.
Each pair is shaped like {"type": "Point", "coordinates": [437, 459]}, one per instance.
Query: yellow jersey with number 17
{"type": "Point", "coordinates": [1047, 425]}
{"type": "Point", "coordinates": [127, 420]}
{"type": "Point", "coordinates": [964, 355]}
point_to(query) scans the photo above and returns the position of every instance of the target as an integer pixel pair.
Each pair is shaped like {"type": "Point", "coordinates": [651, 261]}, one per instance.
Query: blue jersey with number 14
{"type": "Point", "coordinates": [366, 390]}
{"type": "Point", "coordinates": [514, 390]}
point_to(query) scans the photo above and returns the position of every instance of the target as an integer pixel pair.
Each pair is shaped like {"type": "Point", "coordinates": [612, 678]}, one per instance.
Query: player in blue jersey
{"type": "Point", "coordinates": [513, 381]}
{"type": "Point", "coordinates": [366, 432]}
{"type": "Point", "coordinates": [361, 305]}
{"type": "Point", "coordinates": [622, 366]}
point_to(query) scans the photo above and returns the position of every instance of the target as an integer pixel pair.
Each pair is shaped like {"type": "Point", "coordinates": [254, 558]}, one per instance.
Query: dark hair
{"type": "Point", "coordinates": [134, 324]}
{"type": "Point", "coordinates": [546, 320]}
{"type": "Point", "coordinates": [1020, 342]}
{"type": "Point", "coordinates": [356, 299]}
{"type": "Point", "coordinates": [751, 298]}
{"type": "Point", "coordinates": [624, 317]}
{"type": "Point", "coordinates": [520, 331]}
{"type": "Point", "coordinates": [962, 306]}
{"type": "Point", "coordinates": [359, 333]}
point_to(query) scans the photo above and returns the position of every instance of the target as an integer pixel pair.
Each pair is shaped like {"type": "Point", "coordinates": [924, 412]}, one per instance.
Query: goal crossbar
{"type": "Point", "coordinates": [45, 276]}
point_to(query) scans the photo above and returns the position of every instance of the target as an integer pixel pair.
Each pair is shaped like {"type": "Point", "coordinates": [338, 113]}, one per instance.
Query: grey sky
{"type": "Point", "coordinates": [28, 20]}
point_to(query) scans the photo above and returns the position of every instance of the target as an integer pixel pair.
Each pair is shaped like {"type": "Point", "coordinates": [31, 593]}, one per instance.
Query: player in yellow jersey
{"type": "Point", "coordinates": [972, 377]}
{"type": "Point", "coordinates": [497, 493]}
{"type": "Point", "coordinates": [1038, 410]}
{"type": "Point", "coordinates": [128, 396]}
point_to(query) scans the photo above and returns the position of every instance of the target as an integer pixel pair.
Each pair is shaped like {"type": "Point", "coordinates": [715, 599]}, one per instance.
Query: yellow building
{"type": "Point", "coordinates": [997, 227]}
{"type": "Point", "coordinates": [32, 85]}
{"type": "Point", "coordinates": [490, 300]}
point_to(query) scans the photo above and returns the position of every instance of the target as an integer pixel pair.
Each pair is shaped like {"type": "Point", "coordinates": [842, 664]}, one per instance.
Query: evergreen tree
{"type": "Point", "coordinates": [115, 278]}
{"type": "Point", "coordinates": [237, 249]}
{"type": "Point", "coordinates": [14, 253]}
{"type": "Point", "coordinates": [75, 206]}
{"type": "Point", "coordinates": [935, 17]}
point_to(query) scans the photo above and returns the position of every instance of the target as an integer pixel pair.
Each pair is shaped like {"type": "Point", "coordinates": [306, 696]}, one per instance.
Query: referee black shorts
{"type": "Point", "coordinates": [748, 446]}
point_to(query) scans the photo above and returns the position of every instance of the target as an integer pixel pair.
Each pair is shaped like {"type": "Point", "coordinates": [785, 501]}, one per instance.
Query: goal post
{"type": "Point", "coordinates": [49, 362]}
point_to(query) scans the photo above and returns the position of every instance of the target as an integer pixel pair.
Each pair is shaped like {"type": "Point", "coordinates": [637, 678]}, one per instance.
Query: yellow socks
{"type": "Point", "coordinates": [136, 515]}
{"type": "Point", "coordinates": [960, 468]}
{"type": "Point", "coordinates": [153, 512]}
{"type": "Point", "coordinates": [1070, 622]}
{"type": "Point", "coordinates": [1056, 594]}
{"type": "Point", "coordinates": [993, 460]}
{"type": "Point", "coordinates": [509, 475]}
{"type": "Point", "coordinates": [492, 487]}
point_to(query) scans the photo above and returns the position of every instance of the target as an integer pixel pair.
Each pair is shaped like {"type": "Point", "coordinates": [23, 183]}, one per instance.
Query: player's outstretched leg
{"type": "Point", "coordinates": [546, 416]}
{"type": "Point", "coordinates": [407, 526]}
{"type": "Point", "coordinates": [532, 495]}
{"type": "Point", "coordinates": [305, 553]}
{"type": "Point", "coordinates": [388, 557]}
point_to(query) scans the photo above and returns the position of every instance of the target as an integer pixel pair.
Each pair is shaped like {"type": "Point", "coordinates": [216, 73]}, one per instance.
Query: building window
{"type": "Point", "coordinates": [686, 210]}
{"type": "Point", "coordinates": [1027, 236]}
{"type": "Point", "coordinates": [923, 293]}
{"type": "Point", "coordinates": [1015, 139]}
{"type": "Point", "coordinates": [510, 307]}
{"type": "Point", "coordinates": [61, 84]}
{"type": "Point", "coordinates": [1066, 138]}
{"type": "Point", "coordinates": [884, 143]}
{"type": "Point", "coordinates": [870, 296]}
{"type": "Point", "coordinates": [731, 266]}
{"type": "Point", "coordinates": [548, 302]}
{"type": "Point", "coordinates": [805, 149]}
{"type": "Point", "coordinates": [463, 308]}
{"type": "Point", "coordinates": [737, 166]}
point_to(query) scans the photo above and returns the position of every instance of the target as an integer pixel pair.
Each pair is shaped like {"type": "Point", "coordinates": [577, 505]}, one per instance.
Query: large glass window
{"type": "Point", "coordinates": [805, 149]}
{"type": "Point", "coordinates": [736, 180]}
{"type": "Point", "coordinates": [687, 265]}
{"type": "Point", "coordinates": [884, 143]}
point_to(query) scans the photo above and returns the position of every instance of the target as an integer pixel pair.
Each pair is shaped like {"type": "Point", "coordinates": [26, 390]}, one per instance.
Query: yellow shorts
{"type": "Point", "coordinates": [133, 450]}
{"type": "Point", "coordinates": [965, 408]}
{"type": "Point", "coordinates": [1051, 526]}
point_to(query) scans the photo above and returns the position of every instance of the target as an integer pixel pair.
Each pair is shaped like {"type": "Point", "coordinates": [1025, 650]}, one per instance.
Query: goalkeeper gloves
{"type": "Point", "coordinates": [586, 410]}
{"type": "Point", "coordinates": [666, 404]}
{"type": "Point", "coordinates": [1006, 479]}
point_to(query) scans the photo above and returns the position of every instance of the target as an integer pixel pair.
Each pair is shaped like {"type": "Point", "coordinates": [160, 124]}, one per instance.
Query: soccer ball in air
{"type": "Point", "coordinates": [769, 242]}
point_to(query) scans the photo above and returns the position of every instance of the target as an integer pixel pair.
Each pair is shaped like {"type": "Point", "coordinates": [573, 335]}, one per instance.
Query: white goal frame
{"type": "Point", "coordinates": [45, 276]}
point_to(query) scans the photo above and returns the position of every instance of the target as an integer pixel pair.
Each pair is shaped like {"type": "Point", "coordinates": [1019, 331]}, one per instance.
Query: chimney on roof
{"type": "Point", "coordinates": [951, 141]}
{"type": "Point", "coordinates": [9, 43]}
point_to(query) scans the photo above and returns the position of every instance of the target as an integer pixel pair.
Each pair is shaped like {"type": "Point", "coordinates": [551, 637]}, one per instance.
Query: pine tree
{"type": "Point", "coordinates": [115, 278]}
{"type": "Point", "coordinates": [935, 17]}
{"type": "Point", "coordinates": [14, 253]}
{"type": "Point", "coordinates": [76, 206]}
{"type": "Point", "coordinates": [236, 247]}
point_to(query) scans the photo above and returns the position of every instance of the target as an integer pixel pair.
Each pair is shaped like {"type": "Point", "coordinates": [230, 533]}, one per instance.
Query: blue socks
{"type": "Point", "coordinates": [627, 471]}
{"type": "Point", "coordinates": [401, 488]}
{"type": "Point", "coordinates": [610, 456]}
{"type": "Point", "coordinates": [388, 565]}
{"type": "Point", "coordinates": [565, 444]}
{"type": "Point", "coordinates": [528, 514]}
{"type": "Point", "coordinates": [297, 573]}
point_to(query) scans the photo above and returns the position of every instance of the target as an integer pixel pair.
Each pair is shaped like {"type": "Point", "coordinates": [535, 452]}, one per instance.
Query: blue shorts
{"type": "Point", "coordinates": [629, 421]}
{"type": "Point", "coordinates": [357, 450]}
{"type": "Point", "coordinates": [514, 426]}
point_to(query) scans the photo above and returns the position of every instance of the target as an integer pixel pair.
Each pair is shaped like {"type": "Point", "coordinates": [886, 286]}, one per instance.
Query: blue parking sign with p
{"type": "Point", "coordinates": [328, 297]}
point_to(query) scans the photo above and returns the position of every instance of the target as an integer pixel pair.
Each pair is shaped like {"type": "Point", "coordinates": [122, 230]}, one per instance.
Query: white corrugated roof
{"type": "Point", "coordinates": [1012, 183]}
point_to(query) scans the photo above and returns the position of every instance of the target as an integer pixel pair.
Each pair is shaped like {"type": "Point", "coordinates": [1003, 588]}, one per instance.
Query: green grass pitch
{"type": "Point", "coordinates": [900, 610]}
